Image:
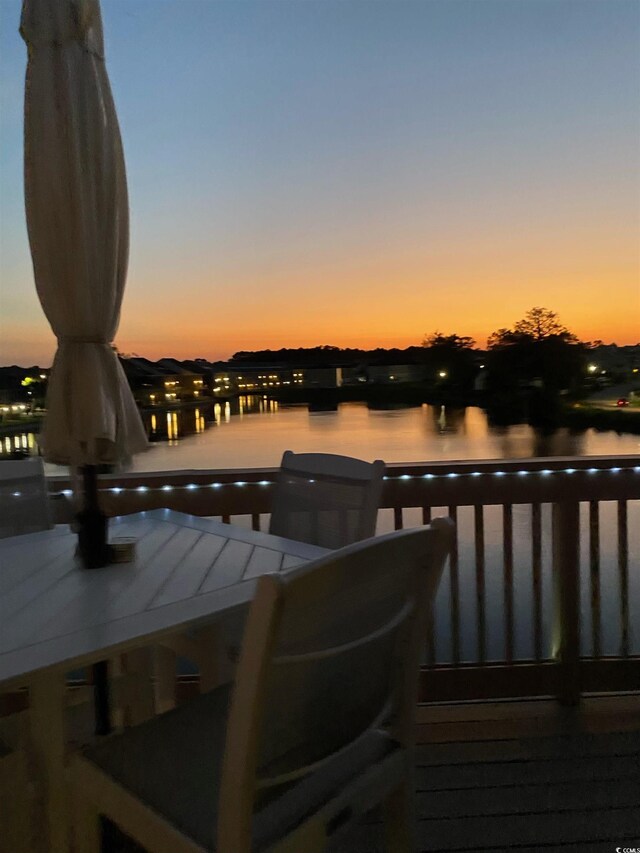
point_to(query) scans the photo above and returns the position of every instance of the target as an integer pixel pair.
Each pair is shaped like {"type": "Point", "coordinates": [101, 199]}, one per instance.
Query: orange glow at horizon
{"type": "Point", "coordinates": [392, 299]}
{"type": "Point", "coordinates": [385, 302]}
{"type": "Point", "coordinates": [357, 175]}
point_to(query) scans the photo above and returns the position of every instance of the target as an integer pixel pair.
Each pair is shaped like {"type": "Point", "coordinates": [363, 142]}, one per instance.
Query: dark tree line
{"type": "Point", "coordinates": [538, 351]}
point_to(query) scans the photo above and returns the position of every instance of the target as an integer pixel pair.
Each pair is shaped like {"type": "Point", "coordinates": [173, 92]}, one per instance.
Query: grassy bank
{"type": "Point", "coordinates": [583, 416]}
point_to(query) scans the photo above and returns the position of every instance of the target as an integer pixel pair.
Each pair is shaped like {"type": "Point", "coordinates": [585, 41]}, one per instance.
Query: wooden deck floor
{"type": "Point", "coordinates": [524, 777]}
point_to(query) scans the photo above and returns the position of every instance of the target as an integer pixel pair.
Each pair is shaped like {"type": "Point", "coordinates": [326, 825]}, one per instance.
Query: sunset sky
{"type": "Point", "coordinates": [355, 173]}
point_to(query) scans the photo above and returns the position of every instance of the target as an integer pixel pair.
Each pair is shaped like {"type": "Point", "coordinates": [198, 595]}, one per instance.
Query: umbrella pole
{"type": "Point", "coordinates": [92, 524]}
{"type": "Point", "coordinates": [95, 553]}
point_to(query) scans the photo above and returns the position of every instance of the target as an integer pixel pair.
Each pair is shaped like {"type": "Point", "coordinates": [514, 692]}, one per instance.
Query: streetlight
{"type": "Point", "coordinates": [443, 374]}
{"type": "Point", "coordinates": [592, 368]}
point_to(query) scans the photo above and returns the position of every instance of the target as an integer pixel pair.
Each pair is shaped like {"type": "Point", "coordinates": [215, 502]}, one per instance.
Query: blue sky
{"type": "Point", "coordinates": [356, 172]}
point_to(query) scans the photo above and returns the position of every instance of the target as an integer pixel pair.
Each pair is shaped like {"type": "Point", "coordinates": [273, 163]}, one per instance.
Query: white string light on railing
{"type": "Point", "coordinates": [545, 472]}
{"type": "Point", "coordinates": [192, 487]}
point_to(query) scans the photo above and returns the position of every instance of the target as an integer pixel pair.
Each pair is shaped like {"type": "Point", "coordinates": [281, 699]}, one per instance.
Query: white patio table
{"type": "Point", "coordinates": [56, 616]}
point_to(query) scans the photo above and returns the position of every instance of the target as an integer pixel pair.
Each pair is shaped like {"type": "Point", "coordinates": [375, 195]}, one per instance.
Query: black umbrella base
{"type": "Point", "coordinates": [93, 548]}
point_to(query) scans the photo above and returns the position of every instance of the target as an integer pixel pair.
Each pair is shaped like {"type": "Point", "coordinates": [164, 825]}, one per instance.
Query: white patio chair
{"type": "Point", "coordinates": [317, 729]}
{"type": "Point", "coordinates": [17, 812]}
{"type": "Point", "coordinates": [320, 498]}
{"type": "Point", "coordinates": [325, 499]}
{"type": "Point", "coordinates": [24, 502]}
{"type": "Point", "coordinates": [26, 506]}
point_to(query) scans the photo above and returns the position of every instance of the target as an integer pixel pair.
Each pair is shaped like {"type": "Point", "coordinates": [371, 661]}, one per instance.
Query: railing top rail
{"type": "Point", "coordinates": [468, 482]}
{"type": "Point", "coordinates": [442, 467]}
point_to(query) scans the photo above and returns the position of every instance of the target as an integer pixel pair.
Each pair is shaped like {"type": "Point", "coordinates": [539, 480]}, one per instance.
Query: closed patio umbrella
{"type": "Point", "coordinates": [78, 223]}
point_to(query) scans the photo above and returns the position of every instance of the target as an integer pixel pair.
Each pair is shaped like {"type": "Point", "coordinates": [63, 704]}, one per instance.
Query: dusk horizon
{"type": "Point", "coordinates": [355, 174]}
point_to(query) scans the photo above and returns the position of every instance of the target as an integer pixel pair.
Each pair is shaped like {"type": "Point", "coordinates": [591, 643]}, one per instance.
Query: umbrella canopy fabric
{"type": "Point", "coordinates": [78, 223]}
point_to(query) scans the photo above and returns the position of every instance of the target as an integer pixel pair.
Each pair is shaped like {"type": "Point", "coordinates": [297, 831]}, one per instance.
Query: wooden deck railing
{"type": "Point", "coordinates": [542, 590]}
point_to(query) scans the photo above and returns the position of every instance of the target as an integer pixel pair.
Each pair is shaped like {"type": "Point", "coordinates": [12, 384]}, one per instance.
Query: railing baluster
{"type": "Point", "coordinates": [536, 572]}
{"type": "Point", "coordinates": [623, 566]}
{"type": "Point", "coordinates": [507, 530]}
{"type": "Point", "coordinates": [594, 574]}
{"type": "Point", "coordinates": [478, 518]}
{"type": "Point", "coordinates": [474, 484]}
{"type": "Point", "coordinates": [431, 628]}
{"type": "Point", "coordinates": [566, 614]}
{"type": "Point", "coordinates": [455, 591]}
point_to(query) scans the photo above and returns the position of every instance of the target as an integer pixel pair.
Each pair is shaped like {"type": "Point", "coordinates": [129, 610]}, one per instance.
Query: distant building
{"type": "Point", "coordinates": [619, 363]}
{"type": "Point", "coordinates": [255, 378]}
{"type": "Point", "coordinates": [162, 382]}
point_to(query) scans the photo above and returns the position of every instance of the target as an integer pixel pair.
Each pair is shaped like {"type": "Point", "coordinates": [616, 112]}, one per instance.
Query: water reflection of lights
{"type": "Point", "coordinates": [217, 411]}
{"type": "Point", "coordinates": [172, 427]}
{"type": "Point", "coordinates": [23, 443]}
{"type": "Point", "coordinates": [154, 423]}
{"type": "Point", "coordinates": [227, 412]}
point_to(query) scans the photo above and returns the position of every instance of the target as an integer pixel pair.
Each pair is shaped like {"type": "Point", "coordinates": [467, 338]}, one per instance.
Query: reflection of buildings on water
{"type": "Point", "coordinates": [446, 419]}
{"type": "Point", "coordinates": [562, 442]}
{"type": "Point", "coordinates": [23, 443]}
{"type": "Point", "coordinates": [171, 425]}
{"type": "Point", "coordinates": [174, 424]}
{"type": "Point", "coordinates": [520, 440]}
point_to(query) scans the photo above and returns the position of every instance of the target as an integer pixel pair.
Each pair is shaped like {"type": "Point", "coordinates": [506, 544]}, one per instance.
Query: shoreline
{"type": "Point", "coordinates": [579, 415]}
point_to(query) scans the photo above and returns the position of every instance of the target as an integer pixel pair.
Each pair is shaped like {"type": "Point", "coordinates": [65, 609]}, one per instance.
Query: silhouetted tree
{"type": "Point", "coordinates": [450, 361]}
{"type": "Point", "coordinates": [537, 352]}
{"type": "Point", "coordinates": [437, 339]}
{"type": "Point", "coordinates": [540, 323]}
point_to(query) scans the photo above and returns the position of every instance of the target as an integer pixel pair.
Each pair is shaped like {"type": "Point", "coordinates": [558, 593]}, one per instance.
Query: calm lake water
{"type": "Point", "coordinates": [247, 433]}
{"type": "Point", "coordinates": [253, 432]}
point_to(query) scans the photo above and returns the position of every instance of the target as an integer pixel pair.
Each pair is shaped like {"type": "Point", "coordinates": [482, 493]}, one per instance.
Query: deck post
{"type": "Point", "coordinates": [566, 599]}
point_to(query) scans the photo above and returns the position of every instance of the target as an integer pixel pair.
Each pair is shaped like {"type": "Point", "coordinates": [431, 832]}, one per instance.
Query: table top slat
{"type": "Point", "coordinates": [290, 561]}
{"type": "Point", "coordinates": [17, 564]}
{"type": "Point", "coordinates": [186, 571]}
{"type": "Point", "coordinates": [263, 560]}
{"type": "Point", "coordinates": [187, 582]}
{"type": "Point", "coordinates": [229, 566]}
{"type": "Point", "coordinates": [150, 578]}
{"type": "Point", "coordinates": [35, 585]}
{"type": "Point", "coordinates": [84, 596]}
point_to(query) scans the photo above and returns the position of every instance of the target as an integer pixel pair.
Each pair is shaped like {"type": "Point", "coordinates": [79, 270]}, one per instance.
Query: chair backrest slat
{"type": "Point", "coordinates": [326, 499]}
{"type": "Point", "coordinates": [329, 652]}
{"type": "Point", "coordinates": [24, 503]}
